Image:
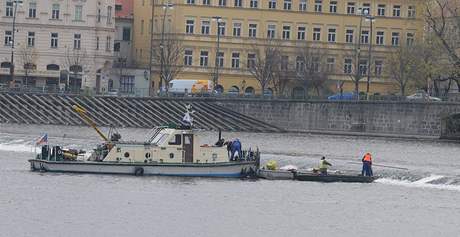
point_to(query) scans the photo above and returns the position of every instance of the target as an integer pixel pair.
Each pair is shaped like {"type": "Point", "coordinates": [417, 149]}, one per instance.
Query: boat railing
{"type": "Point", "coordinates": [154, 132]}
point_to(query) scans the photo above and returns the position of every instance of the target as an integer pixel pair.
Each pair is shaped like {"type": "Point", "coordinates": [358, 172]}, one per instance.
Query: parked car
{"type": "Point", "coordinates": [181, 87]}
{"type": "Point", "coordinates": [422, 96]}
{"type": "Point", "coordinates": [343, 96]}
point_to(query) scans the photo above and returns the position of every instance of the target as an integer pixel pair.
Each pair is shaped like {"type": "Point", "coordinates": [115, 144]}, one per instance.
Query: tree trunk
{"type": "Point", "coordinates": [357, 89]}
{"type": "Point", "coordinates": [403, 90]}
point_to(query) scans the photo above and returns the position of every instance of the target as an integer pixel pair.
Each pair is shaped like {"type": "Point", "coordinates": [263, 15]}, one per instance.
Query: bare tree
{"type": "Point", "coordinates": [28, 58]}
{"type": "Point", "coordinates": [265, 63]}
{"type": "Point", "coordinates": [351, 65]}
{"type": "Point", "coordinates": [75, 62]}
{"type": "Point", "coordinates": [443, 18]}
{"type": "Point", "coordinates": [168, 54]}
{"type": "Point", "coordinates": [311, 67]}
{"type": "Point", "coordinates": [280, 80]}
{"type": "Point", "coordinates": [402, 66]}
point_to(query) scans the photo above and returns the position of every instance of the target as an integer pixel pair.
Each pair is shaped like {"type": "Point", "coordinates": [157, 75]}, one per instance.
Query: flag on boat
{"type": "Point", "coordinates": [42, 140]}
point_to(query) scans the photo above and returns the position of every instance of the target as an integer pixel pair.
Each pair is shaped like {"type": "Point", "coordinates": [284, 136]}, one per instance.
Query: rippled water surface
{"type": "Point", "coordinates": [421, 198]}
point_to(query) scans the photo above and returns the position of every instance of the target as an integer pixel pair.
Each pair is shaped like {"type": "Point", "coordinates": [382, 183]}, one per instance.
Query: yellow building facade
{"type": "Point", "coordinates": [333, 25]}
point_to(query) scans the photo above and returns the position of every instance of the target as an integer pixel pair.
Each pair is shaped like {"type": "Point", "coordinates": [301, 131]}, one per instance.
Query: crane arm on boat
{"type": "Point", "coordinates": [82, 112]}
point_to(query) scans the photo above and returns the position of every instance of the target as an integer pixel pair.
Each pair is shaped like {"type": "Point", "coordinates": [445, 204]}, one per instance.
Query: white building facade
{"type": "Point", "coordinates": [58, 44]}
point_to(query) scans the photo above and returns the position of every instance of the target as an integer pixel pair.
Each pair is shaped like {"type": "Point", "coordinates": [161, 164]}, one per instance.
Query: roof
{"type": "Point", "coordinates": [126, 10]}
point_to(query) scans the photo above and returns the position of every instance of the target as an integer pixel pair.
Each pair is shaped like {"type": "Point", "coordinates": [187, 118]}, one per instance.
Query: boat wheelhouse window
{"type": "Point", "coordinates": [160, 138]}
{"type": "Point", "coordinates": [187, 140]}
{"type": "Point", "coordinates": [176, 141]}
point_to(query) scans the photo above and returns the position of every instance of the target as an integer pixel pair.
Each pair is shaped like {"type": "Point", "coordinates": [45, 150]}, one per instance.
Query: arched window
{"type": "Point", "coordinates": [234, 90]}
{"type": "Point", "coordinates": [52, 67]}
{"type": "Point", "coordinates": [268, 92]}
{"type": "Point", "coordinates": [30, 66]}
{"type": "Point", "coordinates": [249, 91]}
{"type": "Point", "coordinates": [5, 65]}
{"type": "Point", "coordinates": [76, 68]}
{"type": "Point", "coordinates": [219, 88]}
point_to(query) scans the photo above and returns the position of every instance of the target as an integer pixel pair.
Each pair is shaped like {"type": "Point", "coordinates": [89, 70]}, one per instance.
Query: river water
{"type": "Point", "coordinates": [423, 200]}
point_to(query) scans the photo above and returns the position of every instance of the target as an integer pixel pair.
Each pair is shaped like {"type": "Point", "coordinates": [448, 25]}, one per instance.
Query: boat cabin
{"type": "Point", "coordinates": [168, 145]}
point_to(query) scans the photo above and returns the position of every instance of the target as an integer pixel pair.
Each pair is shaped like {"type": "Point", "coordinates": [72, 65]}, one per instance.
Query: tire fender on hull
{"type": "Point", "coordinates": [139, 171]}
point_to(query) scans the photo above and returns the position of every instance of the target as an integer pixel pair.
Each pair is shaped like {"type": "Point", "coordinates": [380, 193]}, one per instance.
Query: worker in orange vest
{"type": "Point", "coordinates": [367, 165]}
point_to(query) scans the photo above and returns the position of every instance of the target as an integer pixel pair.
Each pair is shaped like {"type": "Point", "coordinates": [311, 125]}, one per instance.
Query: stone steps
{"type": "Point", "coordinates": [124, 112]}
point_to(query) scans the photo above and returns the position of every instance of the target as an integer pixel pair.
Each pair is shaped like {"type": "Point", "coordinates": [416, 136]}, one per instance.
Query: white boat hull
{"type": "Point", "coordinates": [227, 169]}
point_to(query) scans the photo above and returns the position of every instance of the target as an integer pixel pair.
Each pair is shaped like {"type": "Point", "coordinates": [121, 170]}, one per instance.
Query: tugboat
{"type": "Point", "coordinates": [168, 150]}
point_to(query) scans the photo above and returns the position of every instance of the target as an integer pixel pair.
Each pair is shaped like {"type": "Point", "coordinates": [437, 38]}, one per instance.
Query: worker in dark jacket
{"type": "Point", "coordinates": [229, 148]}
{"type": "Point", "coordinates": [236, 147]}
{"type": "Point", "coordinates": [323, 165]}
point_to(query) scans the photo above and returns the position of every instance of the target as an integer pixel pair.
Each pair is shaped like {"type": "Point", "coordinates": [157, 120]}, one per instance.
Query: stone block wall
{"type": "Point", "coordinates": [398, 118]}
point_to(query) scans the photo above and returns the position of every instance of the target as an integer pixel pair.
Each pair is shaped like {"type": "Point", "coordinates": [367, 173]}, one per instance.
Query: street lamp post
{"type": "Point", "coordinates": [15, 2]}
{"type": "Point", "coordinates": [215, 80]}
{"type": "Point", "coordinates": [369, 59]}
{"type": "Point", "coordinates": [165, 9]}
{"type": "Point", "coordinates": [358, 53]}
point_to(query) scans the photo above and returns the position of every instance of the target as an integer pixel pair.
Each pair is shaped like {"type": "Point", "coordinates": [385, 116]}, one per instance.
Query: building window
{"type": "Point", "coordinates": [77, 41]}
{"type": "Point", "coordinates": [271, 31]}
{"type": "Point", "coordinates": [206, 2]}
{"type": "Point", "coordinates": [349, 36]}
{"type": "Point", "coordinates": [8, 37]}
{"type": "Point", "coordinates": [205, 26]}
{"type": "Point", "coordinates": [333, 6]}
{"type": "Point", "coordinates": [299, 64]}
{"type": "Point", "coordinates": [78, 13]}
{"type": "Point", "coordinates": [190, 1]}
{"type": "Point", "coordinates": [55, 11]}
{"type": "Point", "coordinates": [411, 12]}
{"type": "Point", "coordinates": [235, 60]}
{"type": "Point", "coordinates": [237, 29]}
{"type": "Point", "coordinates": [284, 62]}
{"type": "Point", "coordinates": [188, 57]}
{"type": "Point", "coordinates": [222, 3]}
{"type": "Point", "coordinates": [9, 8]}
{"type": "Point", "coordinates": [330, 64]}
{"type": "Point", "coordinates": [318, 5]}
{"type": "Point", "coordinates": [253, 30]}
{"type": "Point", "coordinates": [189, 26]}
{"type": "Point", "coordinates": [303, 5]}
{"type": "Point", "coordinates": [238, 3]}
{"type": "Point", "coordinates": [410, 39]}
{"type": "Point", "coordinates": [378, 67]}
{"type": "Point", "coordinates": [108, 45]}
{"type": "Point", "coordinates": [315, 64]}
{"type": "Point", "coordinates": [251, 60]}
{"type": "Point", "coordinates": [365, 37]}
{"type": "Point", "coordinates": [99, 15]}
{"type": "Point", "coordinates": [316, 34]}
{"type": "Point", "coordinates": [362, 67]}
{"type": "Point", "coordinates": [97, 43]}
{"type": "Point", "coordinates": [142, 27]}
{"type": "Point", "coordinates": [347, 66]}
{"type": "Point", "coordinates": [127, 84]}
{"type": "Point", "coordinates": [331, 35]}
{"type": "Point", "coordinates": [109, 15]}
{"type": "Point", "coordinates": [397, 10]}
{"type": "Point", "coordinates": [118, 7]}
{"type": "Point", "coordinates": [221, 28]}
{"type": "Point", "coordinates": [366, 8]}
{"type": "Point", "coordinates": [220, 59]}
{"type": "Point", "coordinates": [126, 33]}
{"type": "Point", "coordinates": [287, 4]}
{"type": "Point", "coordinates": [253, 4]}
{"type": "Point", "coordinates": [286, 32]}
{"type": "Point", "coordinates": [301, 32]}
{"type": "Point", "coordinates": [272, 4]}
{"type": "Point", "coordinates": [54, 40]}
{"type": "Point", "coordinates": [204, 58]}
{"type": "Point", "coordinates": [395, 38]}
{"type": "Point", "coordinates": [30, 39]}
{"type": "Point", "coordinates": [32, 10]}
{"type": "Point", "coordinates": [379, 40]}
{"type": "Point", "coordinates": [351, 8]}
{"type": "Point", "coordinates": [381, 10]}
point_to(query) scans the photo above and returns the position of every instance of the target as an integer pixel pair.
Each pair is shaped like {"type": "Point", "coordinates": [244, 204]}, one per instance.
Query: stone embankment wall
{"type": "Point", "coordinates": [387, 118]}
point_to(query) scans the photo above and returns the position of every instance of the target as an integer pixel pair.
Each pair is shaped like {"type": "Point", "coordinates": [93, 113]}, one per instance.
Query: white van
{"type": "Point", "coordinates": [192, 87]}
